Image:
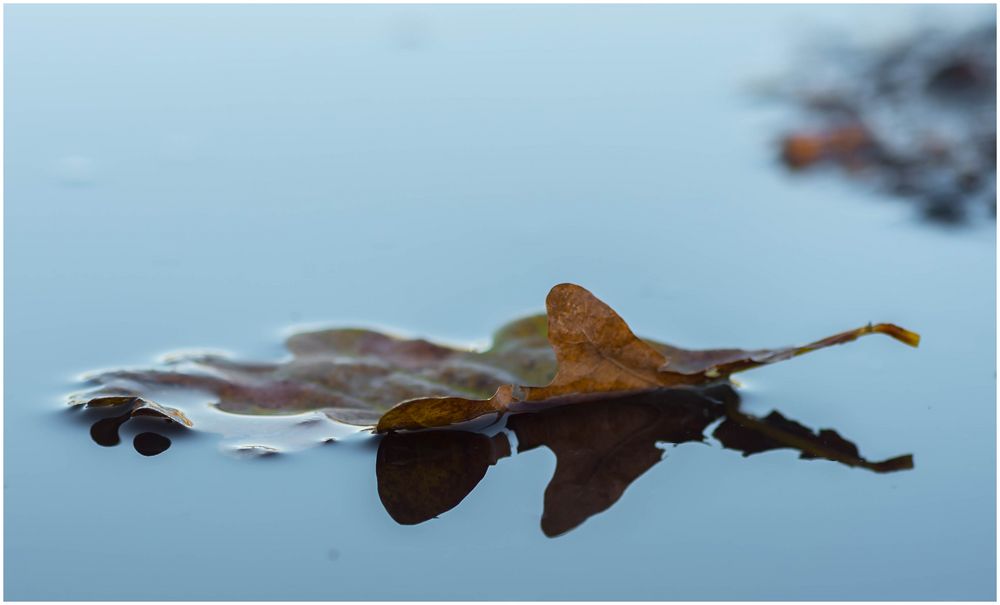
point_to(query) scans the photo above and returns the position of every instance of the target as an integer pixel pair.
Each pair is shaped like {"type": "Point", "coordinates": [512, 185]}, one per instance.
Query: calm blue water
{"type": "Point", "coordinates": [184, 176]}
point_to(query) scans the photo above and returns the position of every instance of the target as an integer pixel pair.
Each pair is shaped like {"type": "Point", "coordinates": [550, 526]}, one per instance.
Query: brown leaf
{"type": "Point", "coordinates": [598, 355]}
{"type": "Point", "coordinates": [353, 375]}
{"type": "Point", "coordinates": [582, 350]}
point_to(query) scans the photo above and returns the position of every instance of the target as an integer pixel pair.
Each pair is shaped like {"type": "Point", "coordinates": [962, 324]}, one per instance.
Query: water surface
{"type": "Point", "coordinates": [214, 177]}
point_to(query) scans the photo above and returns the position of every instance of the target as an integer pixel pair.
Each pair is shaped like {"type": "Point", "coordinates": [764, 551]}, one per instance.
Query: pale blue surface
{"type": "Point", "coordinates": [207, 176]}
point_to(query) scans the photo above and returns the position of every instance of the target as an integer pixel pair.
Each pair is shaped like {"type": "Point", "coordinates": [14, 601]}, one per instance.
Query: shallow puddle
{"type": "Point", "coordinates": [224, 177]}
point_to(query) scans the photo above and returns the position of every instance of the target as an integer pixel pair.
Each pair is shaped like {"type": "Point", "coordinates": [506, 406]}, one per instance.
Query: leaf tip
{"type": "Point", "coordinates": [560, 292]}
{"type": "Point", "coordinates": [901, 334]}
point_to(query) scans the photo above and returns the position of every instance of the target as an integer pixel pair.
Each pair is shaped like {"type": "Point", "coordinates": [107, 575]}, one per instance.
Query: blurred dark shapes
{"type": "Point", "coordinates": [916, 119]}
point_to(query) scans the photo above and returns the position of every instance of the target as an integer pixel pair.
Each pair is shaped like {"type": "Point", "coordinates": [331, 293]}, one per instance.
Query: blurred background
{"type": "Point", "coordinates": [217, 176]}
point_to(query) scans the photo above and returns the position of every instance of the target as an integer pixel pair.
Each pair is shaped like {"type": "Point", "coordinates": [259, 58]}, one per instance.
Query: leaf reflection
{"type": "Point", "coordinates": [114, 412]}
{"type": "Point", "coordinates": [600, 449]}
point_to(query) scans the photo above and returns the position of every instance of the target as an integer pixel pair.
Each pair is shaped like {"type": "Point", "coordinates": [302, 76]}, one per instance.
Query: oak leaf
{"type": "Point", "coordinates": [581, 350]}
{"type": "Point", "coordinates": [598, 355]}
{"type": "Point", "coordinates": [352, 375]}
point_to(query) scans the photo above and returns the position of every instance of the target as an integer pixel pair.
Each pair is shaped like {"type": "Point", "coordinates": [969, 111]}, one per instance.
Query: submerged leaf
{"type": "Point", "coordinates": [597, 355]}
{"type": "Point", "coordinates": [352, 375]}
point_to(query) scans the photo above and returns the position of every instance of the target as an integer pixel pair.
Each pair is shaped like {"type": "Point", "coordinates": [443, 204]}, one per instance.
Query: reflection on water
{"type": "Point", "coordinates": [600, 448]}
{"type": "Point", "coordinates": [151, 428]}
{"type": "Point", "coordinates": [114, 412]}
{"type": "Point", "coordinates": [151, 444]}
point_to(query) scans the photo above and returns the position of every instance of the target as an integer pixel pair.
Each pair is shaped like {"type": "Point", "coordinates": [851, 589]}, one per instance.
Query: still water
{"type": "Point", "coordinates": [216, 178]}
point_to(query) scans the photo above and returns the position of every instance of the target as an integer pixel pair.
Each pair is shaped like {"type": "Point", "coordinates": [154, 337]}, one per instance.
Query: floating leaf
{"type": "Point", "coordinates": [582, 350]}
{"type": "Point", "coordinates": [601, 448]}
{"type": "Point", "coordinates": [597, 355]}
{"type": "Point", "coordinates": [352, 375]}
